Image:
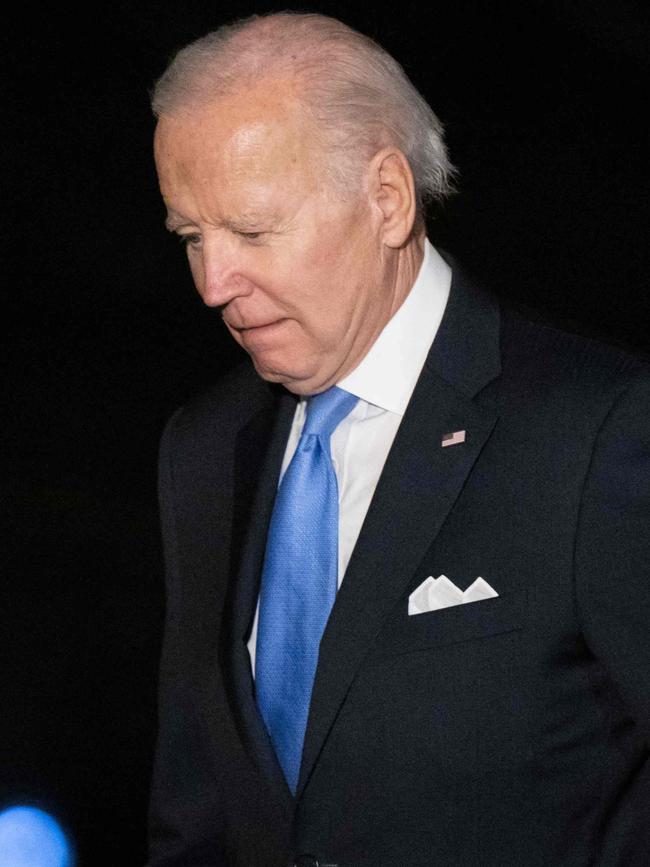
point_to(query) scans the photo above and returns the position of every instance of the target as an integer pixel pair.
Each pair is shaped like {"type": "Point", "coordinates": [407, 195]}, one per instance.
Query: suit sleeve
{"type": "Point", "coordinates": [612, 555]}
{"type": "Point", "coordinates": [173, 799]}
{"type": "Point", "coordinates": [612, 571]}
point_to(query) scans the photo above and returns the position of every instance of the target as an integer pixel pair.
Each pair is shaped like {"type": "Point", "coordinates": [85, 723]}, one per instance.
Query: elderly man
{"type": "Point", "coordinates": [407, 554]}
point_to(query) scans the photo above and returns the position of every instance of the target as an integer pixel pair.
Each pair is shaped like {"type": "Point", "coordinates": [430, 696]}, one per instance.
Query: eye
{"type": "Point", "coordinates": [252, 237]}
{"type": "Point", "coordinates": [190, 240]}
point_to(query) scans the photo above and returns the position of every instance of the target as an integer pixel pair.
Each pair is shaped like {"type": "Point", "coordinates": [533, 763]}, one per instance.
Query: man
{"type": "Point", "coordinates": [407, 555]}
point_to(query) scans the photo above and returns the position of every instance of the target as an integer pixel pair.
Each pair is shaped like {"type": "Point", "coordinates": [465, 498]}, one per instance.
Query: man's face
{"type": "Point", "coordinates": [301, 277]}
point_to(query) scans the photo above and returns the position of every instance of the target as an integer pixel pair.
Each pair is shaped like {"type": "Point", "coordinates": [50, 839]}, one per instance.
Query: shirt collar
{"type": "Point", "coordinates": [387, 374]}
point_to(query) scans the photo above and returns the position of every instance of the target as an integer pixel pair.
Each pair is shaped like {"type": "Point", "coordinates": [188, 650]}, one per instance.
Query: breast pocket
{"type": "Point", "coordinates": [469, 621]}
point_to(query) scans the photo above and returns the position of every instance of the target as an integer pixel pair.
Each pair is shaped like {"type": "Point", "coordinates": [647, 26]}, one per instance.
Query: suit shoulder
{"type": "Point", "coordinates": [542, 354]}
{"type": "Point", "coordinates": [226, 406]}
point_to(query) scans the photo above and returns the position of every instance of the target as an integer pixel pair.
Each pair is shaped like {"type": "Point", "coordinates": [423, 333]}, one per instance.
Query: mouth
{"type": "Point", "coordinates": [243, 329]}
{"type": "Point", "coordinates": [260, 336]}
{"type": "Point", "coordinates": [262, 326]}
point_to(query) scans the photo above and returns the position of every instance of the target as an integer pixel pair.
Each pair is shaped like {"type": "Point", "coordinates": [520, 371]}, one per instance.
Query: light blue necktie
{"type": "Point", "coordinates": [299, 581]}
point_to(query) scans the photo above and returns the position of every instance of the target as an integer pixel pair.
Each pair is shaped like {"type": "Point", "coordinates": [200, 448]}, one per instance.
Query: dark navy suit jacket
{"type": "Point", "coordinates": [510, 731]}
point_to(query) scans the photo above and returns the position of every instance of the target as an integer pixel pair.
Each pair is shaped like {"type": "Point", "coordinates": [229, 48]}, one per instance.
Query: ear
{"type": "Point", "coordinates": [393, 192]}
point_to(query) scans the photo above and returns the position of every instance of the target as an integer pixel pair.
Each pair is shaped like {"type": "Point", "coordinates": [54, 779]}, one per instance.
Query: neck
{"type": "Point", "coordinates": [407, 267]}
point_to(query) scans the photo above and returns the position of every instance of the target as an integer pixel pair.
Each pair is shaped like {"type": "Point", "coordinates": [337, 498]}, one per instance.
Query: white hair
{"type": "Point", "coordinates": [358, 95]}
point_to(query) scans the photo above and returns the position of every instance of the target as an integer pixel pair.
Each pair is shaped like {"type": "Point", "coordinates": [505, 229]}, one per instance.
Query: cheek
{"type": "Point", "coordinates": [340, 267]}
{"type": "Point", "coordinates": [323, 304]}
{"type": "Point", "coordinates": [329, 320]}
{"type": "Point", "coordinates": [325, 283]}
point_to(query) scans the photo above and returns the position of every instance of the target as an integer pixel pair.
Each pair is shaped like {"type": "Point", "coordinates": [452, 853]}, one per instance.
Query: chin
{"type": "Point", "coordinates": [282, 373]}
{"type": "Point", "coordinates": [295, 378]}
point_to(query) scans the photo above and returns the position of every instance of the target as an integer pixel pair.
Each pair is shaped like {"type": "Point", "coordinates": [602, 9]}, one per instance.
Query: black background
{"type": "Point", "coordinates": [545, 106]}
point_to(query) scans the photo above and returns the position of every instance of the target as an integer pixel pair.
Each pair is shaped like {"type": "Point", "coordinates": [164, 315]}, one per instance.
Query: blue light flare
{"type": "Point", "coordinates": [31, 838]}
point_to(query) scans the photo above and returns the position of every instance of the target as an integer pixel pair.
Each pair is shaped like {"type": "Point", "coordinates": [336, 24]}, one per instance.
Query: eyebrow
{"type": "Point", "coordinates": [174, 221]}
{"type": "Point", "coordinates": [246, 222]}
{"type": "Point", "coordinates": [249, 221]}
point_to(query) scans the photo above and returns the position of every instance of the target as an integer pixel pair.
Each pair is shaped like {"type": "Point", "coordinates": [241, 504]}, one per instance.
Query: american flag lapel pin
{"type": "Point", "coordinates": [452, 439]}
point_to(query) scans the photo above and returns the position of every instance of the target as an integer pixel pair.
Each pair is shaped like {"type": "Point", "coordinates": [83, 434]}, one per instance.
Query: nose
{"type": "Point", "coordinates": [223, 278]}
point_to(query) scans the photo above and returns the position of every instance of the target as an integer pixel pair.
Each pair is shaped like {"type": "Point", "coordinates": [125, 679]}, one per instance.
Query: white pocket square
{"type": "Point", "coordinates": [435, 593]}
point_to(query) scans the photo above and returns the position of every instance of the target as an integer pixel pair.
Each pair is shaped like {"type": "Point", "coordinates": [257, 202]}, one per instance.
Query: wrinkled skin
{"type": "Point", "coordinates": [304, 279]}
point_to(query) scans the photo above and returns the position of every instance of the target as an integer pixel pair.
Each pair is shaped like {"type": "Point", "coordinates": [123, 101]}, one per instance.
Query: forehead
{"type": "Point", "coordinates": [244, 141]}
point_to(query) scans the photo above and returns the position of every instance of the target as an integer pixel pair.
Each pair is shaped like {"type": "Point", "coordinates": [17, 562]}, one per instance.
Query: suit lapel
{"type": "Point", "coordinates": [258, 458]}
{"type": "Point", "coordinates": [418, 486]}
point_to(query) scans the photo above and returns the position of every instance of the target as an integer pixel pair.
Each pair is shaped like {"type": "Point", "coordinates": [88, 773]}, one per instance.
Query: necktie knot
{"type": "Point", "coordinates": [325, 411]}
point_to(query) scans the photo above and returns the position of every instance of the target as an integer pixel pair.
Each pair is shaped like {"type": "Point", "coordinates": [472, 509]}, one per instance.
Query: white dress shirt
{"type": "Point", "coordinates": [383, 381]}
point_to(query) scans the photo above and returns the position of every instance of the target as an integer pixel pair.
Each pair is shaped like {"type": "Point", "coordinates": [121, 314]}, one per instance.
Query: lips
{"type": "Point", "coordinates": [255, 326]}
{"type": "Point", "coordinates": [261, 325]}
{"type": "Point", "coordinates": [260, 337]}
